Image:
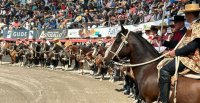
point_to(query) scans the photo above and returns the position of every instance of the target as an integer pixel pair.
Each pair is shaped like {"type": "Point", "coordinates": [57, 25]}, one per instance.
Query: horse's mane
{"type": "Point", "coordinates": [145, 43]}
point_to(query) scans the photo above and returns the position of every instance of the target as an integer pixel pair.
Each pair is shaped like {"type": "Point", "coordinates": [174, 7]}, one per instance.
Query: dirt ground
{"type": "Point", "coordinates": [35, 85]}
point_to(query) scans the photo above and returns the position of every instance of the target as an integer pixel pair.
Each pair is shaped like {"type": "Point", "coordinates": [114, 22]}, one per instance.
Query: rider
{"type": "Point", "coordinates": [179, 31]}
{"type": "Point", "coordinates": [109, 41]}
{"type": "Point", "coordinates": [100, 42]}
{"type": "Point", "coordinates": [188, 50]}
{"type": "Point", "coordinates": [57, 45]}
{"type": "Point", "coordinates": [26, 42]}
{"type": "Point", "coordinates": [18, 41]}
{"type": "Point", "coordinates": [68, 42]}
{"type": "Point", "coordinates": [45, 41]}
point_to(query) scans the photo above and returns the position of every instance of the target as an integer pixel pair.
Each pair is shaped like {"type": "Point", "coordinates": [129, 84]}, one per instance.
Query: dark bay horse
{"type": "Point", "coordinates": [44, 55]}
{"type": "Point", "coordinates": [138, 50]}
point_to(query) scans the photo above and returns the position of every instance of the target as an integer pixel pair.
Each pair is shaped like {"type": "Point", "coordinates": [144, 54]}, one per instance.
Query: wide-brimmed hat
{"type": "Point", "coordinates": [154, 28]}
{"type": "Point", "coordinates": [56, 40]}
{"type": "Point", "coordinates": [178, 18]}
{"type": "Point", "coordinates": [146, 28]}
{"type": "Point", "coordinates": [66, 37]}
{"type": "Point", "coordinates": [108, 37]}
{"type": "Point", "coordinates": [164, 24]}
{"type": "Point", "coordinates": [191, 8]}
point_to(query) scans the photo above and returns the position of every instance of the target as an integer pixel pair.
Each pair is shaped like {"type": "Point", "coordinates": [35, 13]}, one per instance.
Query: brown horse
{"type": "Point", "coordinates": [138, 50]}
{"type": "Point", "coordinates": [8, 49]}
{"type": "Point", "coordinates": [5, 50]}
{"type": "Point", "coordinates": [79, 53]}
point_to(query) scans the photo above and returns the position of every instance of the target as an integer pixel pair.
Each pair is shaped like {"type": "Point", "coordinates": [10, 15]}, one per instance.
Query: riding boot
{"type": "Point", "coordinates": [164, 83]}
{"type": "Point", "coordinates": [131, 91]}
{"type": "Point", "coordinates": [127, 90]}
{"type": "Point", "coordinates": [164, 92]}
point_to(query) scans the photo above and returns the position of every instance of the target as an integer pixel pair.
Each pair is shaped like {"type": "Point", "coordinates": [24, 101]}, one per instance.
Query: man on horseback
{"type": "Point", "coordinates": [18, 41]}
{"type": "Point", "coordinates": [188, 50]}
{"type": "Point", "coordinates": [68, 42]}
{"type": "Point", "coordinates": [26, 42]}
{"type": "Point", "coordinates": [32, 50]}
{"type": "Point", "coordinates": [179, 30]}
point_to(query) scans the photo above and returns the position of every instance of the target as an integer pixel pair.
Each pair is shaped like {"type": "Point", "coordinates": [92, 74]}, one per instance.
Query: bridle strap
{"type": "Point", "coordinates": [124, 41]}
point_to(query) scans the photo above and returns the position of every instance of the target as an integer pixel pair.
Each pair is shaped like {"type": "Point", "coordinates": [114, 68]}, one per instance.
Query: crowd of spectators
{"type": "Point", "coordinates": [62, 14]}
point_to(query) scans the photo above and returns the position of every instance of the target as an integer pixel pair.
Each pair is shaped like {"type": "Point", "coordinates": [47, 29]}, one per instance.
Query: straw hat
{"type": "Point", "coordinates": [191, 8]}
{"type": "Point", "coordinates": [164, 25]}
{"type": "Point", "coordinates": [108, 37]}
{"type": "Point", "coordinates": [56, 40]}
{"type": "Point", "coordinates": [66, 37]}
{"type": "Point", "coordinates": [146, 28]}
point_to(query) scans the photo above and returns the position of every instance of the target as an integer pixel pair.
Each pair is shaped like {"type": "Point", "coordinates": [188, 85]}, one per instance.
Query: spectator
{"type": "Point", "coordinates": [48, 14]}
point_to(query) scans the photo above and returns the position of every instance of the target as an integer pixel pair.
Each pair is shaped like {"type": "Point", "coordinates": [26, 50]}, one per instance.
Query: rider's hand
{"type": "Point", "coordinates": [169, 53]}
{"type": "Point", "coordinates": [172, 53]}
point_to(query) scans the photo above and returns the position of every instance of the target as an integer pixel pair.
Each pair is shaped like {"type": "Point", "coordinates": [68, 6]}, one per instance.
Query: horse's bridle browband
{"type": "Point", "coordinates": [124, 41]}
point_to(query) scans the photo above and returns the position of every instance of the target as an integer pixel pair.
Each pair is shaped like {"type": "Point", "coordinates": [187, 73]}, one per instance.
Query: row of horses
{"type": "Point", "coordinates": [50, 55]}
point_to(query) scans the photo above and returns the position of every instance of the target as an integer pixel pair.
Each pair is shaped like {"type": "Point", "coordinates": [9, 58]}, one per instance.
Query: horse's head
{"type": "Point", "coordinates": [122, 46]}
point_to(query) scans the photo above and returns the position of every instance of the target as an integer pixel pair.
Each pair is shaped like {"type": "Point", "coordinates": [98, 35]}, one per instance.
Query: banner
{"type": "Point", "coordinates": [51, 34]}
{"type": "Point", "coordinates": [30, 34]}
{"type": "Point", "coordinates": [19, 34]}
{"type": "Point", "coordinates": [73, 33]}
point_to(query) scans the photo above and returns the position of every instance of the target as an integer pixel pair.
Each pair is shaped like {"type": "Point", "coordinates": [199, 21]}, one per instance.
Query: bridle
{"type": "Point", "coordinates": [124, 42]}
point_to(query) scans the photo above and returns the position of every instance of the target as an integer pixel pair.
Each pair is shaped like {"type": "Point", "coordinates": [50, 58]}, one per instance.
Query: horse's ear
{"type": "Point", "coordinates": [139, 32]}
{"type": "Point", "coordinates": [122, 27]}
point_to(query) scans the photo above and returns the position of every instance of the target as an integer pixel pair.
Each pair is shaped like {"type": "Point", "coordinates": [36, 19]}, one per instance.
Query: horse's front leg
{"type": "Point", "coordinates": [81, 64]}
{"type": "Point", "coordinates": [1, 58]}
{"type": "Point", "coordinates": [22, 60]}
{"type": "Point", "coordinates": [102, 77]}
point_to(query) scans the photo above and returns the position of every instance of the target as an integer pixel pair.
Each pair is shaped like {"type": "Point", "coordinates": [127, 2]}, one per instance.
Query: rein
{"type": "Point", "coordinates": [140, 64]}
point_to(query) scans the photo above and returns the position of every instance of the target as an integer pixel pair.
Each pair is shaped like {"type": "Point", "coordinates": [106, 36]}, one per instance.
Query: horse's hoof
{"type": "Point", "coordinates": [127, 93]}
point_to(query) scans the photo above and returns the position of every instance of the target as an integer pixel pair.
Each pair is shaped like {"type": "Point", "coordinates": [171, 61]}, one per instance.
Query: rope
{"type": "Point", "coordinates": [140, 64]}
{"type": "Point", "coordinates": [163, 16]}
{"type": "Point", "coordinates": [176, 76]}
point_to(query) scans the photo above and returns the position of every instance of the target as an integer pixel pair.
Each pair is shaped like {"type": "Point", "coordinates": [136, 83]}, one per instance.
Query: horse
{"type": "Point", "coordinates": [64, 59]}
{"type": "Point", "coordinates": [32, 54]}
{"type": "Point", "coordinates": [98, 54]}
{"type": "Point", "coordinates": [44, 55]}
{"type": "Point", "coordinates": [4, 50]}
{"type": "Point", "coordinates": [73, 51]}
{"type": "Point", "coordinates": [21, 48]}
{"type": "Point", "coordinates": [79, 52]}
{"type": "Point", "coordinates": [133, 46]}
{"type": "Point", "coordinates": [54, 55]}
